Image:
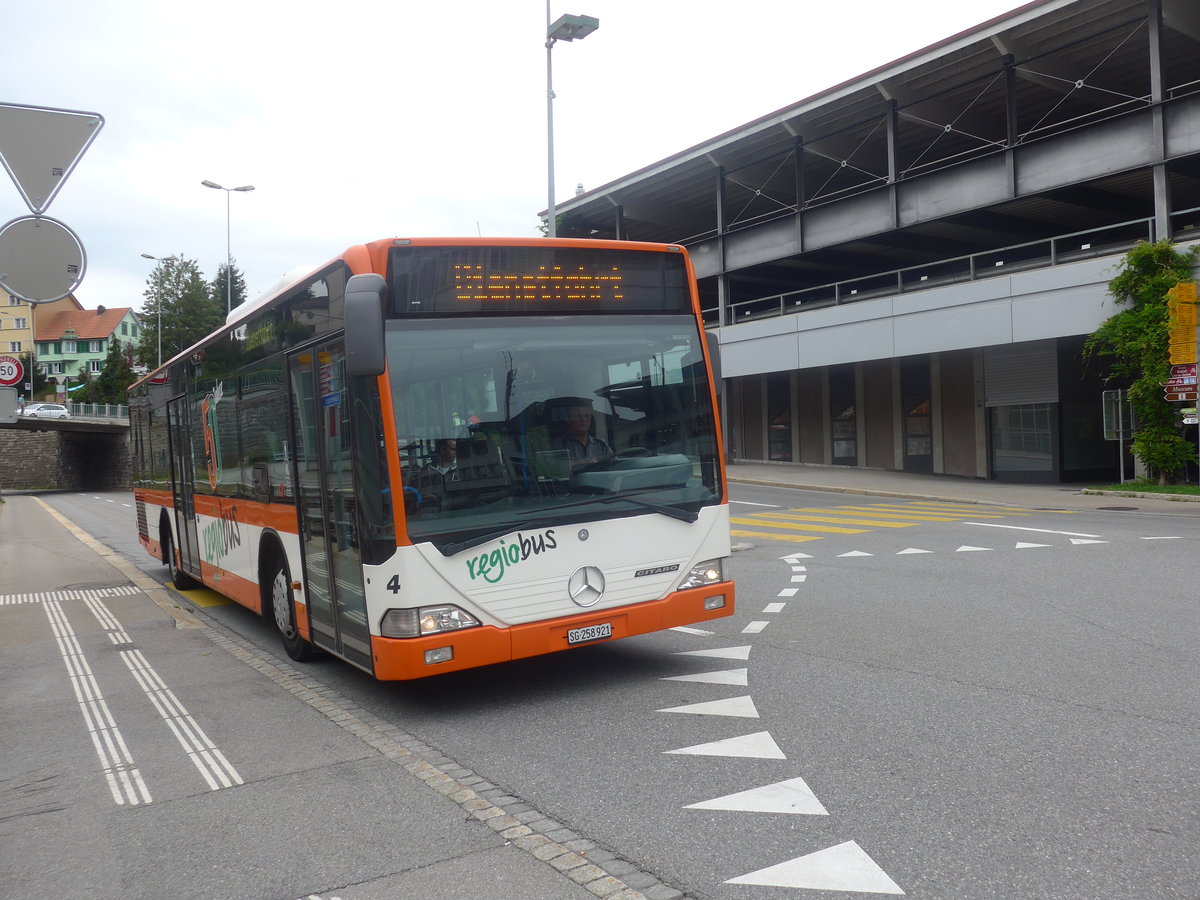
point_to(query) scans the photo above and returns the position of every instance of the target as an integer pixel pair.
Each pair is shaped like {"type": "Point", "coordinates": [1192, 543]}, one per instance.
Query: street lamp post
{"type": "Point", "coordinates": [564, 28]}
{"type": "Point", "coordinates": [158, 315]}
{"type": "Point", "coordinates": [228, 245]}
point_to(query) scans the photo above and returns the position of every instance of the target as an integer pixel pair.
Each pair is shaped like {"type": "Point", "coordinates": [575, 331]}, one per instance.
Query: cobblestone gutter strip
{"type": "Point", "coordinates": [601, 872]}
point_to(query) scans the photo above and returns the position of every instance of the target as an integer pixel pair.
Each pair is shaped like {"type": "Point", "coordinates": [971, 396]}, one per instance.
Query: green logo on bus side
{"type": "Point", "coordinates": [492, 566]}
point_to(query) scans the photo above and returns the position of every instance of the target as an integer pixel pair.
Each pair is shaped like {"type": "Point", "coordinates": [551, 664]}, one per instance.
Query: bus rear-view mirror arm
{"type": "Point", "coordinates": [365, 350]}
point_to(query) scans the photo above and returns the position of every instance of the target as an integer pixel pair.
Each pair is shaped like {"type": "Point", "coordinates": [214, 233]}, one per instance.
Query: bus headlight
{"type": "Point", "coordinates": [706, 573]}
{"type": "Point", "coordinates": [408, 623]}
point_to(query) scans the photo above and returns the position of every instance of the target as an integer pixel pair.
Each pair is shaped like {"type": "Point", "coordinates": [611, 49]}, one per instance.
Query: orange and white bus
{"type": "Point", "coordinates": [429, 455]}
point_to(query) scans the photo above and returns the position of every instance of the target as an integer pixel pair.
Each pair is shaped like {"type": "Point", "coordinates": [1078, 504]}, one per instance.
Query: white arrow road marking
{"type": "Point", "coordinates": [686, 630]}
{"type": "Point", "coordinates": [725, 676]}
{"type": "Point", "coordinates": [759, 745]}
{"type": "Point", "coordinates": [792, 557]}
{"type": "Point", "coordinates": [1021, 545]}
{"type": "Point", "coordinates": [1039, 530]}
{"type": "Point", "coordinates": [845, 867]}
{"type": "Point", "coordinates": [911, 550]}
{"type": "Point", "coordinates": [1081, 541]}
{"type": "Point", "coordinates": [792, 797]}
{"type": "Point", "coordinates": [855, 553]}
{"type": "Point", "coordinates": [965, 549]}
{"type": "Point", "coordinates": [721, 653]}
{"type": "Point", "coordinates": [742, 707]}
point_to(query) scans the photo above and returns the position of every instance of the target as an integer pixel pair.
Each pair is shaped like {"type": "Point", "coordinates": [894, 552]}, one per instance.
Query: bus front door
{"type": "Point", "coordinates": [325, 480]}
{"type": "Point", "coordinates": [182, 478]}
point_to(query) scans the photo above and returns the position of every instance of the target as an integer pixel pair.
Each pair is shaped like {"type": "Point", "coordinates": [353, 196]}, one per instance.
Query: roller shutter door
{"type": "Point", "coordinates": [1018, 374]}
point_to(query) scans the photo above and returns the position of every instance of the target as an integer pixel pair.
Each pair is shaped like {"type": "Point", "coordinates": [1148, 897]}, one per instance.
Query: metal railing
{"type": "Point", "coordinates": [1067, 248]}
{"type": "Point", "coordinates": [99, 410]}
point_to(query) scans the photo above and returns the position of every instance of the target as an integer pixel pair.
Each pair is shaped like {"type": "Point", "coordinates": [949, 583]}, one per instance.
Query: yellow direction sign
{"type": "Point", "coordinates": [1182, 319]}
{"type": "Point", "coordinates": [39, 146]}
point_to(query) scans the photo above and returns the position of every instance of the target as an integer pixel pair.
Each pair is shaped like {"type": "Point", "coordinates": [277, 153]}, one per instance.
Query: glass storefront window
{"type": "Point", "coordinates": [1022, 438]}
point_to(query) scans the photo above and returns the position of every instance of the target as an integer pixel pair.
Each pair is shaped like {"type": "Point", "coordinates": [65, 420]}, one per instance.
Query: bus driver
{"type": "Point", "coordinates": [578, 440]}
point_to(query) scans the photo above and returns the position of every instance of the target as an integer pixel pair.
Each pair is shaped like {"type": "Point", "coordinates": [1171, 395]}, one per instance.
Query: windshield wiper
{"type": "Point", "coordinates": [548, 516]}
{"type": "Point", "coordinates": [483, 537]}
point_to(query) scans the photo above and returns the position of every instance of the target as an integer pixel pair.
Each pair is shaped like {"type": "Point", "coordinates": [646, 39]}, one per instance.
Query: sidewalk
{"type": "Point", "coordinates": [880, 482]}
{"type": "Point", "coordinates": [175, 759]}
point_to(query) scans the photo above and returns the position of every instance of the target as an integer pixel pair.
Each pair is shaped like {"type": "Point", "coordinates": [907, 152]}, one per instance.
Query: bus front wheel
{"type": "Point", "coordinates": [180, 579]}
{"type": "Point", "coordinates": [284, 611]}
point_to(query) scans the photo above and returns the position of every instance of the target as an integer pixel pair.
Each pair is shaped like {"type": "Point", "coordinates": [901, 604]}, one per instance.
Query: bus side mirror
{"type": "Point", "coordinates": [714, 356]}
{"type": "Point", "coordinates": [365, 350]}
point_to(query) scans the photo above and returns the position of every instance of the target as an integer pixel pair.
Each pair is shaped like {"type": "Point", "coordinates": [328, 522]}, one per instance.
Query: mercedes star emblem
{"type": "Point", "coordinates": [586, 586]}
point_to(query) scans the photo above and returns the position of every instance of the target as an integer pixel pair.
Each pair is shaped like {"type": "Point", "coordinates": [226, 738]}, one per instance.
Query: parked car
{"type": "Point", "coordinates": [47, 411]}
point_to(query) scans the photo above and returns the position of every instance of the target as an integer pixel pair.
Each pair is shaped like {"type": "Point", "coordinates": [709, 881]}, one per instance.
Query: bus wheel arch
{"type": "Point", "coordinates": [278, 600]}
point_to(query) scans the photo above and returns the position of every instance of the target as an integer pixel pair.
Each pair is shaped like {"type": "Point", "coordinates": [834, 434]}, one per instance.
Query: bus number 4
{"type": "Point", "coordinates": [394, 584]}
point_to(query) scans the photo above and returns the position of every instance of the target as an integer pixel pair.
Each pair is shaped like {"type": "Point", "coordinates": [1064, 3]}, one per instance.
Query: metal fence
{"type": "Point", "coordinates": [1106, 241]}
{"type": "Point", "coordinates": [99, 410]}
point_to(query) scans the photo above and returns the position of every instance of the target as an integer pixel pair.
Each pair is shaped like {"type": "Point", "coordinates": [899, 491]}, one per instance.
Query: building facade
{"type": "Point", "coordinates": [75, 340]}
{"type": "Point", "coordinates": [902, 269]}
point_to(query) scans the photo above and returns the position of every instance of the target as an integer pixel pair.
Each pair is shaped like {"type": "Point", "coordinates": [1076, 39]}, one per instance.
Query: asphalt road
{"type": "Point", "coordinates": [953, 702]}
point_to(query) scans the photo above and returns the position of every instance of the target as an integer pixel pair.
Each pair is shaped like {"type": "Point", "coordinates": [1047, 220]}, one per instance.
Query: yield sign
{"type": "Point", "coordinates": [40, 146]}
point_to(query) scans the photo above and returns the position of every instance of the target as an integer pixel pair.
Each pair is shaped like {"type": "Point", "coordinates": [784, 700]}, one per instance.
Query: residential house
{"type": "Point", "coordinates": [75, 338]}
{"type": "Point", "coordinates": [16, 325]}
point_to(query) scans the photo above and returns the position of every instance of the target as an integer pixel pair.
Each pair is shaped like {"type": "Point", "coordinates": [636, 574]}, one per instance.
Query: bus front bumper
{"type": "Point", "coordinates": [403, 659]}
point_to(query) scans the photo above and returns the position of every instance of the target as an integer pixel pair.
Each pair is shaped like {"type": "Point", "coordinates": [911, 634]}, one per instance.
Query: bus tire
{"type": "Point", "coordinates": [283, 611]}
{"type": "Point", "coordinates": [180, 579]}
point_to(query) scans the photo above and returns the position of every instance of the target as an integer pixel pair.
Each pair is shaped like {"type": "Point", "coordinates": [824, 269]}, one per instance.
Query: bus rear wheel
{"type": "Point", "coordinates": [283, 609]}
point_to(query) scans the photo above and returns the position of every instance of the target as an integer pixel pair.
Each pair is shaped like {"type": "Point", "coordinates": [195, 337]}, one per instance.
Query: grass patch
{"type": "Point", "coordinates": [1150, 487]}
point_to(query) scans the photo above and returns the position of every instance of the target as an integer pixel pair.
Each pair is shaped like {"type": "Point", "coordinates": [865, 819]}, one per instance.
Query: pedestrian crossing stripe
{"type": "Point", "coordinates": [937, 515]}
{"type": "Point", "coordinates": [875, 512]}
{"type": "Point", "coordinates": [773, 536]}
{"type": "Point", "coordinates": [835, 520]}
{"type": "Point", "coordinates": [794, 526]}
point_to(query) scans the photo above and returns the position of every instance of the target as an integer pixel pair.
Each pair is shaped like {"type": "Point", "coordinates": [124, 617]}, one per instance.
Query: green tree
{"type": "Point", "coordinates": [112, 384]}
{"type": "Point", "coordinates": [1134, 343]}
{"type": "Point", "coordinates": [86, 391]}
{"type": "Point", "coordinates": [219, 286]}
{"type": "Point", "coordinates": [179, 301]}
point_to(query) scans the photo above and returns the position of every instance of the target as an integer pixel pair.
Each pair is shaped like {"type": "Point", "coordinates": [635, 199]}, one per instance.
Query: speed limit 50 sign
{"type": "Point", "coordinates": [11, 371]}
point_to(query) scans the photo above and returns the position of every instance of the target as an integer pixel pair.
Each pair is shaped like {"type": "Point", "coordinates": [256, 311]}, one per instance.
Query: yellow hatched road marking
{"type": "Point", "coordinates": [793, 538]}
{"type": "Point", "coordinates": [840, 520]}
{"type": "Point", "coordinates": [828, 529]}
{"type": "Point", "coordinates": [966, 507]}
{"type": "Point", "coordinates": [879, 513]}
{"type": "Point", "coordinates": [955, 513]}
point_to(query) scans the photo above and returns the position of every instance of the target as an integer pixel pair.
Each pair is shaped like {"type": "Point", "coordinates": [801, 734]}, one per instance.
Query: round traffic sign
{"type": "Point", "coordinates": [41, 259]}
{"type": "Point", "coordinates": [11, 371]}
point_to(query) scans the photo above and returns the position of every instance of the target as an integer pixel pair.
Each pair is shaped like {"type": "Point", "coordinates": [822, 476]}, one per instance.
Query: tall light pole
{"type": "Point", "coordinates": [228, 246]}
{"type": "Point", "coordinates": [158, 315]}
{"type": "Point", "coordinates": [565, 28]}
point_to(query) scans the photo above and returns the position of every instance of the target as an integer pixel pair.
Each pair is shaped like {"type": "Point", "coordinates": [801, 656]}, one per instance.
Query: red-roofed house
{"type": "Point", "coordinates": [81, 337]}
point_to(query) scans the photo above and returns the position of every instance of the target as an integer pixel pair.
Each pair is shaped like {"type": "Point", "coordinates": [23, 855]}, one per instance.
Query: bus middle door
{"type": "Point", "coordinates": [325, 481]}
{"type": "Point", "coordinates": [182, 477]}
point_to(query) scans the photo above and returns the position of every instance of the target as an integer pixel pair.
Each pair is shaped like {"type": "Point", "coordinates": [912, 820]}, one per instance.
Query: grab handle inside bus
{"type": "Point", "coordinates": [365, 351]}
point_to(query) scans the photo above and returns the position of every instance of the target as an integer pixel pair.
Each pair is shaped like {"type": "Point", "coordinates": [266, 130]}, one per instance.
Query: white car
{"type": "Point", "coordinates": [47, 411]}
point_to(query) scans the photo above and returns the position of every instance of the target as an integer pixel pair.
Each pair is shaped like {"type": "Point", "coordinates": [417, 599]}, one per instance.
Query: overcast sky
{"type": "Point", "coordinates": [362, 119]}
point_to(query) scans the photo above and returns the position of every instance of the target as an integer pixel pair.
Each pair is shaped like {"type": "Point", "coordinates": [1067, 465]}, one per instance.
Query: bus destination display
{"type": "Point", "coordinates": [478, 283]}
{"type": "Point", "coordinates": [473, 281]}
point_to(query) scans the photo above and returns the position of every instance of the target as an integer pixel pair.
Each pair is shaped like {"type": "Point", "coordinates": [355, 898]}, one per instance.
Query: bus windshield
{"type": "Point", "coordinates": [506, 424]}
